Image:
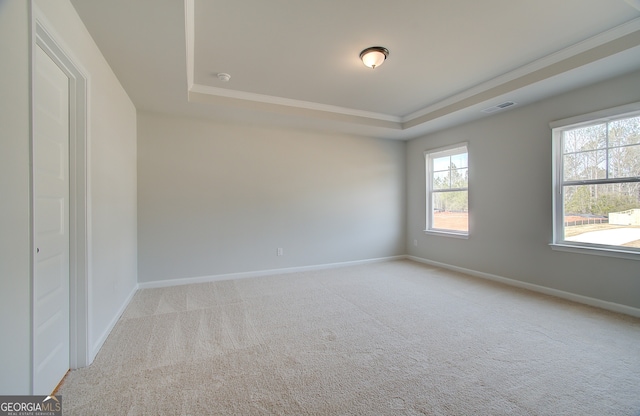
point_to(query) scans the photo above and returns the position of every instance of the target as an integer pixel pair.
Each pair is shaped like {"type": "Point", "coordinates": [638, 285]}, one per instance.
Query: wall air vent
{"type": "Point", "coordinates": [499, 107]}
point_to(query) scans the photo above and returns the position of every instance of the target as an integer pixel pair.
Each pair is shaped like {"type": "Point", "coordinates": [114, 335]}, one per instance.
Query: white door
{"type": "Point", "coordinates": [51, 224]}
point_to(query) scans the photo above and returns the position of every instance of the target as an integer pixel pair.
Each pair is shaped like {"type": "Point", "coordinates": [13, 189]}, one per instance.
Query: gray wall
{"type": "Point", "coordinates": [219, 198]}
{"type": "Point", "coordinates": [510, 199]}
{"type": "Point", "coordinates": [112, 155]}
{"type": "Point", "coordinates": [112, 185]}
{"type": "Point", "coordinates": [15, 257]}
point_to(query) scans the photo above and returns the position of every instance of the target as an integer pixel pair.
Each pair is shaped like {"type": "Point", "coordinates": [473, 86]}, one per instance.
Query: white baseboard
{"type": "Point", "coordinates": [95, 348]}
{"type": "Point", "coordinates": [610, 306]}
{"type": "Point", "coordinates": [259, 273]}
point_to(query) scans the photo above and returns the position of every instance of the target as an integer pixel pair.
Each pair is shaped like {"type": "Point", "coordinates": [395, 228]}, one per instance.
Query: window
{"type": "Point", "coordinates": [448, 190]}
{"type": "Point", "coordinates": [597, 182]}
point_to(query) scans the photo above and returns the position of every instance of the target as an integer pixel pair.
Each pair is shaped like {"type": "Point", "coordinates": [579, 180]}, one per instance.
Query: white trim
{"type": "Point", "coordinates": [557, 197]}
{"type": "Point", "coordinates": [593, 117]}
{"type": "Point", "coordinates": [260, 273]}
{"type": "Point", "coordinates": [597, 250]}
{"type": "Point", "coordinates": [611, 306]}
{"type": "Point", "coordinates": [585, 300]}
{"type": "Point", "coordinates": [445, 233]}
{"type": "Point", "coordinates": [558, 127]}
{"type": "Point", "coordinates": [544, 62]}
{"type": "Point", "coordinates": [44, 36]}
{"type": "Point", "coordinates": [449, 150]}
{"type": "Point", "coordinates": [407, 121]}
{"type": "Point", "coordinates": [634, 3]}
{"type": "Point", "coordinates": [429, 155]}
{"type": "Point", "coordinates": [189, 7]}
{"type": "Point", "coordinates": [95, 348]}
{"type": "Point", "coordinates": [289, 102]}
{"type": "Point", "coordinates": [189, 24]}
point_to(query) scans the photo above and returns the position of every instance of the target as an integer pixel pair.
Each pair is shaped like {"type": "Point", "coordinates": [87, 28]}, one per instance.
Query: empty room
{"type": "Point", "coordinates": [320, 207]}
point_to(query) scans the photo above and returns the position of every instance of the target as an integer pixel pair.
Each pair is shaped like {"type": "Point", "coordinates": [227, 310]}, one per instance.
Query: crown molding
{"type": "Point", "coordinates": [610, 42]}
{"type": "Point", "coordinates": [634, 3]}
{"type": "Point", "coordinates": [611, 38]}
{"type": "Point", "coordinates": [190, 35]}
{"type": "Point", "coordinates": [288, 102]}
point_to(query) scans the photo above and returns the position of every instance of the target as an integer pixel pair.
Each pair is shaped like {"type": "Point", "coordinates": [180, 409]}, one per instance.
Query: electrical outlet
{"type": "Point", "coordinates": [415, 243]}
{"type": "Point", "coordinates": [280, 252]}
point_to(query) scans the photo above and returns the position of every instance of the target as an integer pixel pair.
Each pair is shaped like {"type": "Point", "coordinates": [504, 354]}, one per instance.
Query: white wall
{"type": "Point", "coordinates": [112, 175]}
{"type": "Point", "coordinates": [510, 199]}
{"type": "Point", "coordinates": [220, 198]}
{"type": "Point", "coordinates": [112, 184]}
{"type": "Point", "coordinates": [15, 257]}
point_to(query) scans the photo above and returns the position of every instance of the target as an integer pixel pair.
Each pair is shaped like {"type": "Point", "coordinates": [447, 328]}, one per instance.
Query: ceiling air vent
{"type": "Point", "coordinates": [499, 107]}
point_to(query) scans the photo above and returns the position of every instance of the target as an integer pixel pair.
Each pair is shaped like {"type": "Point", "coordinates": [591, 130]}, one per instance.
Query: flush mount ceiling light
{"type": "Point", "coordinates": [374, 56]}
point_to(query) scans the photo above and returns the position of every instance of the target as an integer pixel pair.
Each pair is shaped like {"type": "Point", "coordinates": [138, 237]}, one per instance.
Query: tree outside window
{"type": "Point", "coordinates": [448, 185]}
{"type": "Point", "coordinates": [597, 171]}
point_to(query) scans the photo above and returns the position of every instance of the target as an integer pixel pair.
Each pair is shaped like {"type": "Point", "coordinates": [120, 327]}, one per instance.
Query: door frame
{"type": "Point", "coordinates": [79, 208]}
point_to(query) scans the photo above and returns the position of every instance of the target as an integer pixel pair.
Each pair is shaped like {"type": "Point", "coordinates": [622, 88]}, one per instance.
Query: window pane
{"type": "Point", "coordinates": [441, 180]}
{"type": "Point", "coordinates": [606, 214]}
{"type": "Point", "coordinates": [448, 173]}
{"type": "Point", "coordinates": [624, 132]}
{"type": "Point", "coordinates": [459, 178]}
{"type": "Point", "coordinates": [441, 163]}
{"type": "Point", "coordinates": [451, 211]}
{"type": "Point", "coordinates": [585, 165]}
{"type": "Point", "coordinates": [585, 138]}
{"type": "Point", "coordinates": [459, 160]}
{"type": "Point", "coordinates": [624, 162]}
{"type": "Point", "coordinates": [598, 211]}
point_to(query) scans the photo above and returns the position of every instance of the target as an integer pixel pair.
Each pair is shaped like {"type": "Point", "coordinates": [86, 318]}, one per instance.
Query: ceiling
{"type": "Point", "coordinates": [296, 63]}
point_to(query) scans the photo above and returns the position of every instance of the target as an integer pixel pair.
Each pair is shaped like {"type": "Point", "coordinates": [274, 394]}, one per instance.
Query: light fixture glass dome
{"type": "Point", "coordinates": [374, 57]}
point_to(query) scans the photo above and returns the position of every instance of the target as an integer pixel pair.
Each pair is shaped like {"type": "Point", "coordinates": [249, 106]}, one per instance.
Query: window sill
{"type": "Point", "coordinates": [447, 234]}
{"type": "Point", "coordinates": [596, 251]}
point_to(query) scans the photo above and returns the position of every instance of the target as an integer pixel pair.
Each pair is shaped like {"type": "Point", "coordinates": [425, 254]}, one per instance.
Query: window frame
{"type": "Point", "coordinates": [558, 128]}
{"type": "Point", "coordinates": [429, 155]}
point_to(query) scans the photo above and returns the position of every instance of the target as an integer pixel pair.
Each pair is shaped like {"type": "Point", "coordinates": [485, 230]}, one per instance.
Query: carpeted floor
{"type": "Point", "coordinates": [394, 338]}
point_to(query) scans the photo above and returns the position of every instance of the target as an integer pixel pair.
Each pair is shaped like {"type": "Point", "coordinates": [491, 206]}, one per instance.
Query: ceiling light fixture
{"type": "Point", "coordinates": [374, 56]}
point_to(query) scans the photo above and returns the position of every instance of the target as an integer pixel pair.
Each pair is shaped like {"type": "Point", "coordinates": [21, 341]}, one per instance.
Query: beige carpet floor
{"type": "Point", "coordinates": [393, 338]}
